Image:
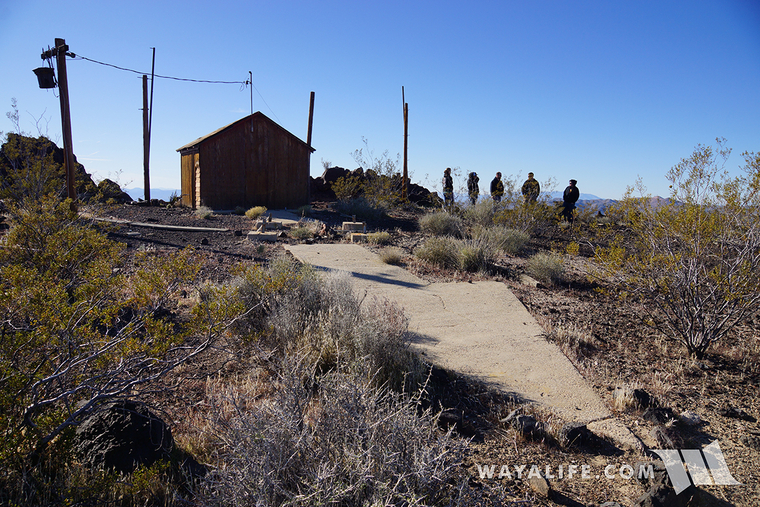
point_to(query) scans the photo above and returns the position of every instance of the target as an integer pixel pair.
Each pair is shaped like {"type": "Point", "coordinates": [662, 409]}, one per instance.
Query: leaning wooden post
{"type": "Point", "coordinates": [404, 185]}
{"type": "Point", "coordinates": [311, 119]}
{"type": "Point", "coordinates": [146, 140]}
{"type": "Point", "coordinates": [68, 147]}
{"type": "Point", "coordinates": [308, 140]}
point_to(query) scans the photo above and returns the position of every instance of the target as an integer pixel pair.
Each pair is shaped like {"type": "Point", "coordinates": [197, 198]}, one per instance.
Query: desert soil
{"type": "Point", "coordinates": [603, 336]}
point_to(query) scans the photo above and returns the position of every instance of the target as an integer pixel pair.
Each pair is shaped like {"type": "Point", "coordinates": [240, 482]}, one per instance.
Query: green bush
{"type": "Point", "coordinates": [347, 187]}
{"type": "Point", "coordinates": [509, 241]}
{"type": "Point", "coordinates": [442, 224]}
{"type": "Point", "coordinates": [481, 214]}
{"type": "Point", "coordinates": [255, 212]}
{"type": "Point", "coordinates": [475, 255]}
{"type": "Point", "coordinates": [306, 228]}
{"type": "Point", "coordinates": [695, 258]}
{"type": "Point", "coordinates": [440, 251]}
{"type": "Point", "coordinates": [392, 256]}
{"type": "Point", "coordinates": [301, 233]}
{"type": "Point", "coordinates": [379, 238]}
{"type": "Point", "coordinates": [546, 267]}
{"type": "Point", "coordinates": [81, 324]}
{"type": "Point", "coordinates": [533, 218]}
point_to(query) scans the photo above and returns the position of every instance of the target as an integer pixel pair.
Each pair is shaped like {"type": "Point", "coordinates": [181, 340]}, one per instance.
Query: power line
{"type": "Point", "coordinates": [241, 83]}
{"type": "Point", "coordinates": [244, 83]}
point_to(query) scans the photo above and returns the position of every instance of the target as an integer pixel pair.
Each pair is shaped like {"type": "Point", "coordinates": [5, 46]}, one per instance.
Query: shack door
{"type": "Point", "coordinates": [189, 176]}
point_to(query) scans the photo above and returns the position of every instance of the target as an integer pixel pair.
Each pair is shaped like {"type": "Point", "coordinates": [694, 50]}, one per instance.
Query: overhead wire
{"type": "Point", "coordinates": [75, 56]}
{"type": "Point", "coordinates": [242, 84]}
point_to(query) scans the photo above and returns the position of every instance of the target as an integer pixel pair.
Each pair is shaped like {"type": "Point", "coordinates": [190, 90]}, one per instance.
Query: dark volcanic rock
{"type": "Point", "coordinates": [122, 436]}
{"type": "Point", "coordinates": [660, 415]}
{"type": "Point", "coordinates": [736, 413]}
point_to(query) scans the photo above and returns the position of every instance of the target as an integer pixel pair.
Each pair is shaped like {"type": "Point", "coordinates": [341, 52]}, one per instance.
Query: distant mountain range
{"type": "Point", "coordinates": [584, 197]}
{"type": "Point", "coordinates": [585, 200]}
{"type": "Point", "coordinates": [155, 193]}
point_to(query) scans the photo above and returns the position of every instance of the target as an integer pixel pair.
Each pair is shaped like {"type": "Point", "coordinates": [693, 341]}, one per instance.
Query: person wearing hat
{"type": "Point", "coordinates": [472, 187]}
{"type": "Point", "coordinates": [497, 188]}
{"type": "Point", "coordinates": [448, 189]}
{"type": "Point", "coordinates": [531, 189]}
{"type": "Point", "coordinates": [569, 198]}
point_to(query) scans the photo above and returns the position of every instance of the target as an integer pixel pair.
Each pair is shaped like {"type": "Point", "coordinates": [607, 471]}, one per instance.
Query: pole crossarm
{"type": "Point", "coordinates": [53, 52]}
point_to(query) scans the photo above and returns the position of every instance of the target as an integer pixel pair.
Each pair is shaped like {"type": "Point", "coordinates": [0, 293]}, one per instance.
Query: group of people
{"type": "Point", "coordinates": [531, 189]}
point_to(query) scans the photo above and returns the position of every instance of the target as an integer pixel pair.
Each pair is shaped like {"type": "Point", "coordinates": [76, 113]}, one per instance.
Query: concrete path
{"type": "Point", "coordinates": [480, 329]}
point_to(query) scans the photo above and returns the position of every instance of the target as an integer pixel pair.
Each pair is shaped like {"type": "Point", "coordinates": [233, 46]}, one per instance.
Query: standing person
{"type": "Point", "coordinates": [569, 198]}
{"type": "Point", "coordinates": [497, 188]}
{"type": "Point", "coordinates": [531, 189]}
{"type": "Point", "coordinates": [472, 187]}
{"type": "Point", "coordinates": [448, 189]}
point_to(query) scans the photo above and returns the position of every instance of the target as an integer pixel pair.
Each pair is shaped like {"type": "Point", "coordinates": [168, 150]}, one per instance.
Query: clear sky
{"type": "Point", "coordinates": [600, 91]}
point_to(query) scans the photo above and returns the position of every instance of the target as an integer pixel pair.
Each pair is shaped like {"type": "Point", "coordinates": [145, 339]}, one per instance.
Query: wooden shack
{"type": "Point", "coordinates": [251, 162]}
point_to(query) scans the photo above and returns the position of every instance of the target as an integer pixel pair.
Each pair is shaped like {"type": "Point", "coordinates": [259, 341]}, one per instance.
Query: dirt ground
{"type": "Point", "coordinates": [603, 336]}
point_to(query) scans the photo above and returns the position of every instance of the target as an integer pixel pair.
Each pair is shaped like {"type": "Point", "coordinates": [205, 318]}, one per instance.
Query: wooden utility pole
{"type": "Point", "coordinates": [311, 119]}
{"type": "Point", "coordinates": [308, 135]}
{"type": "Point", "coordinates": [147, 123]}
{"type": "Point", "coordinates": [63, 85]}
{"type": "Point", "coordinates": [146, 140]}
{"type": "Point", "coordinates": [404, 185]}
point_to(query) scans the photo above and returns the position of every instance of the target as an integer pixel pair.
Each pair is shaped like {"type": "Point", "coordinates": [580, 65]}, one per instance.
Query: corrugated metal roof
{"type": "Point", "coordinates": [200, 140]}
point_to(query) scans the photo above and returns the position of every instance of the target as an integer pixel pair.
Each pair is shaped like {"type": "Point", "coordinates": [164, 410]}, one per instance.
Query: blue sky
{"type": "Point", "coordinates": [599, 91]}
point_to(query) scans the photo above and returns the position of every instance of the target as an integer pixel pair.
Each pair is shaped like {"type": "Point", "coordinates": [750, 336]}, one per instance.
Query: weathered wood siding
{"type": "Point", "coordinates": [253, 162]}
{"type": "Point", "coordinates": [189, 176]}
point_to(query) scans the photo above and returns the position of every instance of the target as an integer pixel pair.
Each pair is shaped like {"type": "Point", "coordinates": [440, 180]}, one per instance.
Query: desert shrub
{"type": "Point", "coordinates": [301, 232]}
{"type": "Point", "coordinates": [359, 207]}
{"type": "Point", "coordinates": [265, 288]}
{"type": "Point", "coordinates": [481, 214]}
{"type": "Point", "coordinates": [303, 211]}
{"type": "Point", "coordinates": [378, 181]}
{"type": "Point", "coordinates": [255, 212]}
{"type": "Point", "coordinates": [441, 251]}
{"type": "Point", "coordinates": [27, 166]}
{"type": "Point", "coordinates": [392, 256]}
{"type": "Point", "coordinates": [694, 259]}
{"type": "Point", "coordinates": [64, 480]}
{"type": "Point", "coordinates": [546, 267]}
{"type": "Point", "coordinates": [379, 237]}
{"type": "Point", "coordinates": [322, 319]}
{"type": "Point", "coordinates": [333, 439]}
{"type": "Point", "coordinates": [442, 224]}
{"type": "Point", "coordinates": [382, 182]}
{"type": "Point", "coordinates": [532, 218]}
{"type": "Point", "coordinates": [509, 241]}
{"type": "Point", "coordinates": [239, 210]}
{"type": "Point", "coordinates": [573, 248]}
{"type": "Point", "coordinates": [340, 330]}
{"type": "Point", "coordinates": [306, 228]}
{"type": "Point", "coordinates": [576, 342]}
{"type": "Point", "coordinates": [204, 212]}
{"type": "Point", "coordinates": [81, 324]}
{"type": "Point", "coordinates": [475, 255]}
{"type": "Point", "coordinates": [347, 187]}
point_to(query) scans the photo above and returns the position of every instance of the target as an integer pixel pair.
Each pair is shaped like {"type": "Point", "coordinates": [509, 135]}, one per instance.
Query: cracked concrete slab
{"type": "Point", "coordinates": [479, 329]}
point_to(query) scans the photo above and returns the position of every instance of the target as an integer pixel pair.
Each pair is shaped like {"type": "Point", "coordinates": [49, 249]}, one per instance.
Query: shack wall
{"type": "Point", "coordinates": [254, 162]}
